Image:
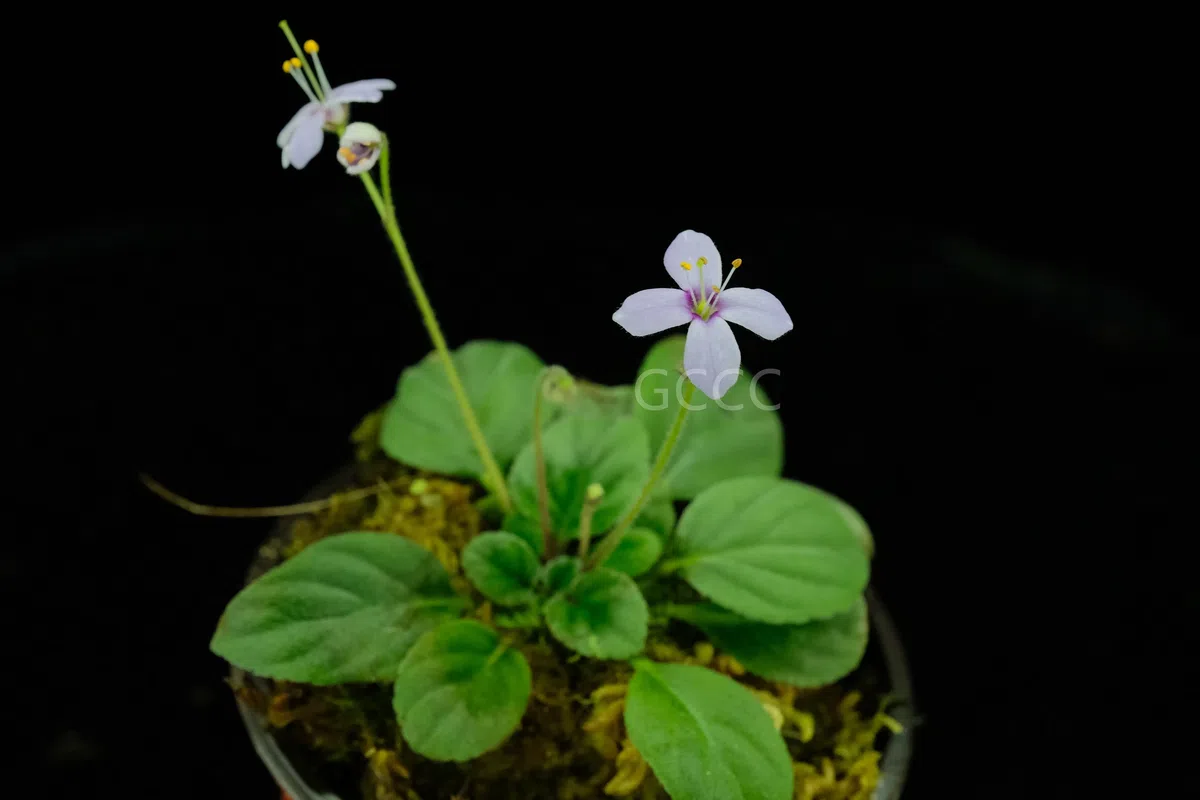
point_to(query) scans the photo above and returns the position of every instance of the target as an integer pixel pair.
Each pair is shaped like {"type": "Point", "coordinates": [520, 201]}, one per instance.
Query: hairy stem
{"type": "Point", "coordinates": [266, 511]}
{"type": "Point", "coordinates": [613, 539]}
{"type": "Point", "coordinates": [595, 493]}
{"type": "Point", "coordinates": [539, 459]}
{"type": "Point", "coordinates": [494, 477]}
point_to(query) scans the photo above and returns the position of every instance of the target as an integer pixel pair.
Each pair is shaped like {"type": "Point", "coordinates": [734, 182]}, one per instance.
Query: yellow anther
{"type": "Point", "coordinates": [295, 62]}
{"type": "Point", "coordinates": [311, 47]}
{"type": "Point", "coordinates": [348, 154]}
{"type": "Point", "coordinates": [737, 262]}
{"type": "Point", "coordinates": [287, 65]}
{"type": "Point", "coordinates": [702, 261]}
{"type": "Point", "coordinates": [716, 288]}
{"type": "Point", "coordinates": [686, 265]}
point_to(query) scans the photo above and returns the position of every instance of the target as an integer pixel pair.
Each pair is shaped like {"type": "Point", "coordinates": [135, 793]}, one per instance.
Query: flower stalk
{"type": "Point", "coordinates": [591, 500]}
{"type": "Point", "coordinates": [493, 477]}
{"type": "Point", "coordinates": [539, 460]}
{"type": "Point", "coordinates": [613, 539]}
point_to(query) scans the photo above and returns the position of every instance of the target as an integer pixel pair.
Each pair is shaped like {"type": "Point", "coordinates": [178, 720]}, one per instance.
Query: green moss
{"type": "Point", "coordinates": [571, 744]}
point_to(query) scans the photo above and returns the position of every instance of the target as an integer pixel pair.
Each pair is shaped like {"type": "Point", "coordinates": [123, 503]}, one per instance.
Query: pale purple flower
{"type": "Point", "coordinates": [711, 357]}
{"type": "Point", "coordinates": [301, 139]}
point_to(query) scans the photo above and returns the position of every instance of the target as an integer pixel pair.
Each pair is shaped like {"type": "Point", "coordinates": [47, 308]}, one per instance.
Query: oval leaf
{"type": "Point", "coordinates": [502, 567]}
{"type": "Point", "coordinates": [424, 427]}
{"type": "Point", "coordinates": [637, 552]}
{"type": "Point", "coordinates": [773, 550]}
{"type": "Point", "coordinates": [813, 654]}
{"type": "Point", "coordinates": [740, 435]}
{"type": "Point", "coordinates": [524, 617]}
{"type": "Point", "coordinates": [582, 449]}
{"type": "Point", "coordinates": [558, 573]}
{"type": "Point", "coordinates": [460, 692]}
{"type": "Point", "coordinates": [345, 608]}
{"type": "Point", "coordinates": [658, 516]}
{"type": "Point", "coordinates": [602, 615]}
{"type": "Point", "coordinates": [705, 735]}
{"type": "Point", "coordinates": [527, 528]}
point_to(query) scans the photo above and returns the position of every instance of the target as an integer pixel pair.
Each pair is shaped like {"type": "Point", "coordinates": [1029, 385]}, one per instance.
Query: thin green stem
{"type": "Point", "coordinates": [595, 493]}
{"type": "Point", "coordinates": [387, 213]}
{"type": "Point", "coordinates": [613, 539]}
{"type": "Point", "coordinates": [385, 177]}
{"type": "Point", "coordinates": [539, 459]}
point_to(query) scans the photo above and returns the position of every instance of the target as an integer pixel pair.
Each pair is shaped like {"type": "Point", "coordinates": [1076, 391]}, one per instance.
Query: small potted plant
{"type": "Point", "coordinates": [530, 585]}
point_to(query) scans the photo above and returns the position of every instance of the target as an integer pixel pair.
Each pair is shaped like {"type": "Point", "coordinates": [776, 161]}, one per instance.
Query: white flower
{"type": "Point", "coordinates": [711, 357]}
{"type": "Point", "coordinates": [301, 139]}
{"type": "Point", "coordinates": [359, 147]}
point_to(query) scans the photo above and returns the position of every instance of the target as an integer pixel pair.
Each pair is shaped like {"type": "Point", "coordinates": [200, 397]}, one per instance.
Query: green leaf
{"type": "Point", "coordinates": [423, 425]}
{"type": "Point", "coordinates": [705, 735]}
{"type": "Point", "coordinates": [460, 692]}
{"type": "Point", "coordinates": [582, 449]}
{"type": "Point", "coordinates": [526, 617]}
{"type": "Point", "coordinates": [491, 513]}
{"type": "Point", "coordinates": [527, 528]}
{"type": "Point", "coordinates": [716, 443]}
{"type": "Point", "coordinates": [346, 608]}
{"type": "Point", "coordinates": [813, 654]}
{"type": "Point", "coordinates": [602, 615]}
{"type": "Point", "coordinates": [658, 516]}
{"type": "Point", "coordinates": [558, 573]}
{"type": "Point", "coordinates": [502, 567]}
{"type": "Point", "coordinates": [770, 549]}
{"type": "Point", "coordinates": [857, 524]}
{"type": "Point", "coordinates": [609, 401]}
{"type": "Point", "coordinates": [637, 552]}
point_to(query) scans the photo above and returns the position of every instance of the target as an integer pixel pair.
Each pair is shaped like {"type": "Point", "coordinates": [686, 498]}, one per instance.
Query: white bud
{"type": "Point", "coordinates": [359, 147]}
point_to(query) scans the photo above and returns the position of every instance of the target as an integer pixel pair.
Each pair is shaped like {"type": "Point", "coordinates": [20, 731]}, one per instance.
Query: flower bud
{"type": "Point", "coordinates": [359, 147]}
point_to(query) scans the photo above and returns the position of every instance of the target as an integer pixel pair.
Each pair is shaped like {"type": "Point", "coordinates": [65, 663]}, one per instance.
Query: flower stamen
{"type": "Point", "coordinates": [292, 67]}
{"type": "Point", "coordinates": [287, 31]}
{"type": "Point", "coordinates": [311, 47]}
{"type": "Point", "coordinates": [737, 262]}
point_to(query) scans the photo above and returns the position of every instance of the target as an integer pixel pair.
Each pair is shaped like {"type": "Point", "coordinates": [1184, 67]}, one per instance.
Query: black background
{"type": "Point", "coordinates": [990, 360]}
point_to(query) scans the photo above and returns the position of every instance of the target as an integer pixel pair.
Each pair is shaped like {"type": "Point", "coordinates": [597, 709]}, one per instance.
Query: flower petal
{"type": "Point", "coordinates": [653, 310]}
{"type": "Point", "coordinates": [711, 356]}
{"type": "Point", "coordinates": [756, 310]}
{"type": "Point", "coordinates": [305, 143]}
{"type": "Point", "coordinates": [690, 246]}
{"type": "Point", "coordinates": [307, 110]}
{"type": "Point", "coordinates": [368, 91]}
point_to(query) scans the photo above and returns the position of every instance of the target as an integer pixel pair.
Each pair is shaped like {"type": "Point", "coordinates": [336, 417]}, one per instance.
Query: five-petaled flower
{"type": "Point", "coordinates": [711, 358]}
{"type": "Point", "coordinates": [327, 109]}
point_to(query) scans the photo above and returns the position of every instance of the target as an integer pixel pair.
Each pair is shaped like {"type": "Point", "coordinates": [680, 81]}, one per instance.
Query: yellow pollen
{"type": "Point", "coordinates": [716, 288]}
{"type": "Point", "coordinates": [295, 62]}
{"type": "Point", "coordinates": [737, 262]}
{"type": "Point", "coordinates": [348, 154]}
{"type": "Point", "coordinates": [686, 265]}
{"type": "Point", "coordinates": [311, 47]}
{"type": "Point", "coordinates": [702, 261]}
{"type": "Point", "coordinates": [287, 65]}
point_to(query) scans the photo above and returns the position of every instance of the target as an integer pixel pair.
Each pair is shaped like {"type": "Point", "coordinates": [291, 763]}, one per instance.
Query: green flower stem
{"type": "Point", "coordinates": [613, 539]}
{"type": "Point", "coordinates": [495, 478]}
{"type": "Point", "coordinates": [595, 494]}
{"type": "Point", "coordinates": [539, 459]}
